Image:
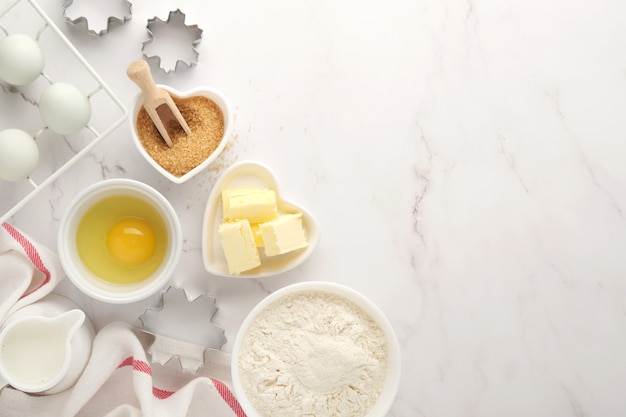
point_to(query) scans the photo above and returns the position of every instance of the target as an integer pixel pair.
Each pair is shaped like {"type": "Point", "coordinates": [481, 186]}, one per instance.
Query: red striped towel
{"type": "Point", "coordinates": [119, 379]}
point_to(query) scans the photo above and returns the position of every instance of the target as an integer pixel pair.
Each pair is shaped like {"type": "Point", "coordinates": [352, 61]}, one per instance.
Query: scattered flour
{"type": "Point", "coordinates": [313, 354]}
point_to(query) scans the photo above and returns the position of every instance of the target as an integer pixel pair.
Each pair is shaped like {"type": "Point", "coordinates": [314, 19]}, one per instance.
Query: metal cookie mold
{"type": "Point", "coordinates": [173, 341]}
{"type": "Point", "coordinates": [171, 43]}
{"type": "Point", "coordinates": [97, 17]}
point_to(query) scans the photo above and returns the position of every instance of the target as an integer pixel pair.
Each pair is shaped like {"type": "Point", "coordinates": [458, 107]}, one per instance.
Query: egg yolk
{"type": "Point", "coordinates": [131, 241]}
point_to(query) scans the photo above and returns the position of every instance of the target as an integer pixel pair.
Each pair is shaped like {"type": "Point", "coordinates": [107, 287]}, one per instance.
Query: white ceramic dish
{"type": "Point", "coordinates": [212, 94]}
{"type": "Point", "coordinates": [251, 174]}
{"type": "Point", "coordinates": [392, 379]}
{"type": "Point", "coordinates": [50, 306]}
{"type": "Point", "coordinates": [82, 277]}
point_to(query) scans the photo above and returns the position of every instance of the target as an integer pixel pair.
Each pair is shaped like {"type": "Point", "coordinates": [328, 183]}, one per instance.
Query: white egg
{"type": "Point", "coordinates": [64, 108]}
{"type": "Point", "coordinates": [19, 155]}
{"type": "Point", "coordinates": [21, 59]}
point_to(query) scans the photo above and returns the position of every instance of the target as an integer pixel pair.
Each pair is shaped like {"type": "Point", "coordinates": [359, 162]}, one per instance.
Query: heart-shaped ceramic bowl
{"type": "Point", "coordinates": [251, 174]}
{"type": "Point", "coordinates": [210, 93]}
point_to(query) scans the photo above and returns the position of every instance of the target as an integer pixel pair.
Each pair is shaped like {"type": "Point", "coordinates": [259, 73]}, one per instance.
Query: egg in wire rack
{"type": "Point", "coordinates": [63, 107]}
{"type": "Point", "coordinates": [21, 62]}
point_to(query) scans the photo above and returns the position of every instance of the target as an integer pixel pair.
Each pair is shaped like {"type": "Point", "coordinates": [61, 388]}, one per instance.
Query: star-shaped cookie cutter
{"type": "Point", "coordinates": [176, 19]}
{"type": "Point", "coordinates": [111, 20]}
{"type": "Point", "coordinates": [185, 343]}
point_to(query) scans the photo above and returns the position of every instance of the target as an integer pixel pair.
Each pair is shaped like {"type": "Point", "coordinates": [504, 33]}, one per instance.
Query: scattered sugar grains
{"type": "Point", "coordinates": [206, 121]}
{"type": "Point", "coordinates": [313, 354]}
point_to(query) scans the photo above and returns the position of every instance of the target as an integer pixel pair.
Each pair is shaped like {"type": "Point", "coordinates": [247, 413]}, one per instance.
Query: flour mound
{"type": "Point", "coordinates": [313, 354]}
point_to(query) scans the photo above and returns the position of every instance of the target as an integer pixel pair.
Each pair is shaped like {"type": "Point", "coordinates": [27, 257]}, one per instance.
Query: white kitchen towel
{"type": "Point", "coordinates": [28, 271]}
{"type": "Point", "coordinates": [119, 379]}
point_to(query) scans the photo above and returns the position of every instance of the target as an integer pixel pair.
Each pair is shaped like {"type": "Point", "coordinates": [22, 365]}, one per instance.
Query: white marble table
{"type": "Point", "coordinates": [465, 161]}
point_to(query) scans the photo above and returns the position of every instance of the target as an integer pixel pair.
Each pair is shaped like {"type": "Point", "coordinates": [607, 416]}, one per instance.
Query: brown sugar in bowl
{"type": "Point", "coordinates": [210, 118]}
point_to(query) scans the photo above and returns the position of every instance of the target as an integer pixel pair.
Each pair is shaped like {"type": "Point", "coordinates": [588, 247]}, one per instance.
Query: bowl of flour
{"type": "Point", "coordinates": [316, 349]}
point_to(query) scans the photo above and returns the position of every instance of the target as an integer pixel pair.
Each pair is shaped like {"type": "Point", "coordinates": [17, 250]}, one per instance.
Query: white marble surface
{"type": "Point", "coordinates": [464, 159]}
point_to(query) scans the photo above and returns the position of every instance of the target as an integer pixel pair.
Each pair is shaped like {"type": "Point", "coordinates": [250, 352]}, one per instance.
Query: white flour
{"type": "Point", "coordinates": [313, 354]}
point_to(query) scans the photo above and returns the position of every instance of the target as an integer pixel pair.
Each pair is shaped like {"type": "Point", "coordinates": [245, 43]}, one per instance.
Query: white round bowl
{"type": "Point", "coordinates": [82, 277]}
{"type": "Point", "coordinates": [392, 378]}
{"type": "Point", "coordinates": [210, 93]}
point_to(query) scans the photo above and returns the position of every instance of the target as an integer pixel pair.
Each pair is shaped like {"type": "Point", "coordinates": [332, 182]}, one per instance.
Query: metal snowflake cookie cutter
{"type": "Point", "coordinates": [187, 343]}
{"type": "Point", "coordinates": [105, 10]}
{"type": "Point", "coordinates": [173, 32]}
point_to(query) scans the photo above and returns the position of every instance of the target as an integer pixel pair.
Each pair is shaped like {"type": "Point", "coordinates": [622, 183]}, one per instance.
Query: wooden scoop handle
{"type": "Point", "coordinates": [139, 72]}
{"type": "Point", "coordinates": [155, 98]}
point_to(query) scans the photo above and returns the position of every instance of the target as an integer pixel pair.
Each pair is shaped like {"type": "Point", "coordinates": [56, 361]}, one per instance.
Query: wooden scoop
{"type": "Point", "coordinates": [157, 102]}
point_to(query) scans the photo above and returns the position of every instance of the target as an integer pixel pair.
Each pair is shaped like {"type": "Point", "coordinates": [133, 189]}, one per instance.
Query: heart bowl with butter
{"type": "Point", "coordinates": [250, 230]}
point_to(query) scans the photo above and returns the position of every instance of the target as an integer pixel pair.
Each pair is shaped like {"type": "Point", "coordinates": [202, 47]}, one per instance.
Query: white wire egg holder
{"type": "Point", "coordinates": [102, 88]}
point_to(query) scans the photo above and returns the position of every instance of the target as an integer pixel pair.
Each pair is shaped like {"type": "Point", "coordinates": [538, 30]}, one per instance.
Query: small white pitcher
{"type": "Point", "coordinates": [36, 352]}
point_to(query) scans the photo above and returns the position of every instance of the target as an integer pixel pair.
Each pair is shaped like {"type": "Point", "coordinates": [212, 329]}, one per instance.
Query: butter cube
{"type": "Point", "coordinates": [255, 204]}
{"type": "Point", "coordinates": [283, 234]}
{"type": "Point", "coordinates": [256, 232]}
{"type": "Point", "coordinates": [239, 246]}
